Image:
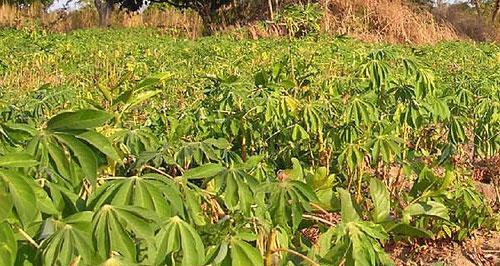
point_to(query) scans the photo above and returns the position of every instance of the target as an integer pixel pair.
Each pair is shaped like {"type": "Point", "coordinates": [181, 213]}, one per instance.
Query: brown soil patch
{"type": "Point", "coordinates": [483, 249]}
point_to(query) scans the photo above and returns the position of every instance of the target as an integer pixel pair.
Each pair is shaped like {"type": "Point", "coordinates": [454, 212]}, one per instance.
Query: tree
{"type": "Point", "coordinates": [104, 9]}
{"type": "Point", "coordinates": [496, 11]}
{"type": "Point", "coordinates": [477, 4]}
{"type": "Point", "coordinates": [206, 9]}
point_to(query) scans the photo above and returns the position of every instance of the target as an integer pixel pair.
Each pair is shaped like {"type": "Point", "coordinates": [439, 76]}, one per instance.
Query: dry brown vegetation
{"type": "Point", "coordinates": [383, 20]}
{"type": "Point", "coordinates": [182, 23]}
{"type": "Point", "coordinates": [393, 21]}
{"type": "Point", "coordinates": [467, 24]}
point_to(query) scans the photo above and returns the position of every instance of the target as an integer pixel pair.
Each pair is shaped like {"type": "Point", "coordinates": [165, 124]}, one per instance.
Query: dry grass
{"type": "Point", "coordinates": [390, 21]}
{"type": "Point", "coordinates": [35, 15]}
{"type": "Point", "coordinates": [185, 24]}
{"type": "Point", "coordinates": [384, 20]}
{"type": "Point", "coordinates": [370, 20]}
{"type": "Point", "coordinates": [468, 24]}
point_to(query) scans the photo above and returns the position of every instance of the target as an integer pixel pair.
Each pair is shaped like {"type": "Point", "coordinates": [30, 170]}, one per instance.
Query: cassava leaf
{"type": "Point", "coordinates": [179, 239]}
{"type": "Point", "coordinates": [348, 212]}
{"type": "Point", "coordinates": [244, 254]}
{"type": "Point", "coordinates": [17, 159]}
{"type": "Point", "coordinates": [72, 238]}
{"type": "Point", "coordinates": [23, 196]}
{"type": "Point", "coordinates": [81, 119]}
{"type": "Point", "coordinates": [203, 171]}
{"type": "Point", "coordinates": [85, 156]}
{"type": "Point", "coordinates": [101, 143]}
{"type": "Point", "coordinates": [381, 201]}
{"type": "Point", "coordinates": [8, 245]}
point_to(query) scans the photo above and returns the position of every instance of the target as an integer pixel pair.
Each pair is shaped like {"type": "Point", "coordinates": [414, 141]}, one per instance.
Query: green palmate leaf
{"type": "Point", "coordinates": [120, 228]}
{"type": "Point", "coordinates": [439, 109]}
{"type": "Point", "coordinates": [177, 240]}
{"type": "Point", "coordinates": [381, 201]}
{"type": "Point", "coordinates": [85, 156]}
{"type": "Point", "coordinates": [81, 119]}
{"type": "Point", "coordinates": [403, 229]}
{"type": "Point", "coordinates": [152, 192]}
{"type": "Point", "coordinates": [359, 111]}
{"type": "Point", "coordinates": [8, 245]}
{"type": "Point", "coordinates": [385, 146]}
{"type": "Point", "coordinates": [71, 239]}
{"type": "Point", "coordinates": [348, 212]}
{"type": "Point", "coordinates": [60, 160]}
{"type": "Point", "coordinates": [357, 243]}
{"type": "Point", "coordinates": [366, 248]}
{"type": "Point", "coordinates": [288, 201]}
{"type": "Point", "coordinates": [216, 255]}
{"type": "Point", "coordinates": [140, 97]}
{"type": "Point", "coordinates": [324, 243]}
{"type": "Point", "coordinates": [14, 134]}
{"type": "Point", "coordinates": [352, 156]}
{"type": "Point", "coordinates": [237, 188]}
{"type": "Point", "coordinates": [296, 173]}
{"type": "Point", "coordinates": [193, 206]}
{"type": "Point", "coordinates": [299, 133]}
{"type": "Point", "coordinates": [200, 152]}
{"type": "Point", "coordinates": [43, 202]}
{"type": "Point", "coordinates": [429, 208]}
{"type": "Point", "coordinates": [427, 180]}
{"type": "Point", "coordinates": [5, 205]}
{"type": "Point", "coordinates": [64, 199]}
{"type": "Point", "coordinates": [203, 171]}
{"type": "Point", "coordinates": [244, 254]}
{"type": "Point", "coordinates": [457, 129]}
{"type": "Point", "coordinates": [17, 159]}
{"type": "Point", "coordinates": [117, 260]}
{"type": "Point", "coordinates": [19, 128]}
{"type": "Point", "coordinates": [101, 143]}
{"type": "Point", "coordinates": [38, 148]}
{"type": "Point", "coordinates": [23, 196]}
{"type": "Point", "coordinates": [152, 80]}
{"type": "Point", "coordinates": [320, 179]}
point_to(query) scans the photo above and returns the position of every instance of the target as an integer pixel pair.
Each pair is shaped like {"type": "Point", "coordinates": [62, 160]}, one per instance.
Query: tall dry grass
{"type": "Point", "coordinates": [467, 23]}
{"type": "Point", "coordinates": [187, 23]}
{"type": "Point", "coordinates": [391, 21]}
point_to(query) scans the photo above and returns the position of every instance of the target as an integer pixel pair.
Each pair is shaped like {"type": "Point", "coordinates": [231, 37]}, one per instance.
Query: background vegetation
{"type": "Point", "coordinates": [250, 133]}
{"type": "Point", "coordinates": [381, 20]}
{"type": "Point", "coordinates": [133, 147]}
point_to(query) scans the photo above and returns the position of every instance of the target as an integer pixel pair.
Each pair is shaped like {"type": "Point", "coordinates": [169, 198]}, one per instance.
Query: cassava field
{"type": "Point", "coordinates": [128, 147]}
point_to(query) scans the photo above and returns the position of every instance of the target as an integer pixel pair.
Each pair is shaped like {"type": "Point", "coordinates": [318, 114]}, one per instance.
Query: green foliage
{"type": "Point", "coordinates": [301, 20]}
{"type": "Point", "coordinates": [176, 235]}
{"type": "Point", "coordinates": [217, 159]}
{"type": "Point", "coordinates": [356, 241]}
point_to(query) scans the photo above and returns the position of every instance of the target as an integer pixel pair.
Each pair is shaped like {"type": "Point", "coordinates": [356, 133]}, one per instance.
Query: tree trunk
{"type": "Point", "coordinates": [271, 13]}
{"type": "Point", "coordinates": [496, 11]}
{"type": "Point", "coordinates": [104, 9]}
{"type": "Point", "coordinates": [477, 4]}
{"type": "Point", "coordinates": [207, 23]}
{"type": "Point", "coordinates": [206, 13]}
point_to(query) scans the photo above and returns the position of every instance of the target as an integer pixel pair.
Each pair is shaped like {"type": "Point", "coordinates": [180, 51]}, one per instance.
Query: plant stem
{"type": "Point", "coordinates": [112, 178]}
{"type": "Point", "coordinates": [157, 170]}
{"type": "Point", "coordinates": [28, 237]}
{"type": "Point", "coordinates": [270, 251]}
{"type": "Point", "coordinates": [305, 258]}
{"type": "Point", "coordinates": [314, 205]}
{"type": "Point", "coordinates": [319, 219]}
